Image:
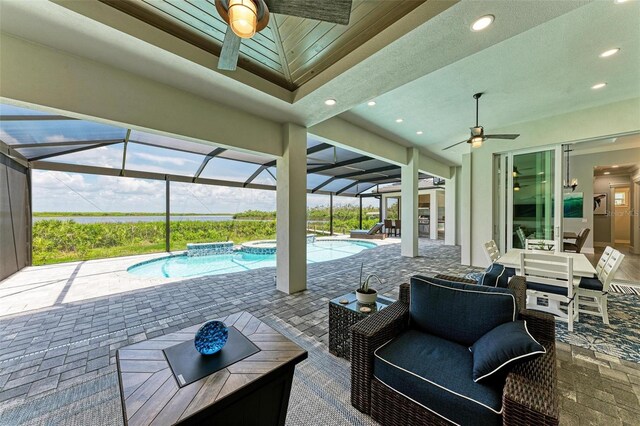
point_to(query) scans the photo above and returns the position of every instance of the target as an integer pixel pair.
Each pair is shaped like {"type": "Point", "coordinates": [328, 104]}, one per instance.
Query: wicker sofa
{"type": "Point", "coordinates": [529, 395]}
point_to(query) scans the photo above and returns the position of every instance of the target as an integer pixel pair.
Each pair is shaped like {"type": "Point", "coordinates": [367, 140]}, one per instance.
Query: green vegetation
{"type": "Point", "coordinates": [57, 241]}
{"type": "Point", "coordinates": [117, 214]}
{"type": "Point", "coordinates": [255, 215]}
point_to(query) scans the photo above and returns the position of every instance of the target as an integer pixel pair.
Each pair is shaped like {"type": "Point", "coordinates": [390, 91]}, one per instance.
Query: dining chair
{"type": "Point", "coordinates": [491, 250]}
{"type": "Point", "coordinates": [593, 292]}
{"type": "Point", "coordinates": [550, 277]}
{"type": "Point", "coordinates": [387, 227]}
{"type": "Point", "coordinates": [603, 259]}
{"type": "Point", "coordinates": [577, 246]}
{"type": "Point", "coordinates": [541, 245]}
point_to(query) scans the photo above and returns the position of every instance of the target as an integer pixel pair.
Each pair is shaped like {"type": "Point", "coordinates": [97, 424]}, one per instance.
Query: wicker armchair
{"type": "Point", "coordinates": [529, 396]}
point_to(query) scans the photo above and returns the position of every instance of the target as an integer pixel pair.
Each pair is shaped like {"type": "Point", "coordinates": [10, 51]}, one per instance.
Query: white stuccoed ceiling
{"type": "Point", "coordinates": [434, 43]}
{"type": "Point", "coordinates": [539, 58]}
{"type": "Point", "coordinates": [545, 71]}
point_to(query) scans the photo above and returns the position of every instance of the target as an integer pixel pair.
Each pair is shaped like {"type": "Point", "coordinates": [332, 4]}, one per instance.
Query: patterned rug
{"type": "Point", "coordinates": [625, 289]}
{"type": "Point", "coordinates": [621, 338]}
{"type": "Point", "coordinates": [320, 395]}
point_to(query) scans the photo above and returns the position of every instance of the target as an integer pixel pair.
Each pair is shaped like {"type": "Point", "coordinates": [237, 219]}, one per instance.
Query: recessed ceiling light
{"type": "Point", "coordinates": [620, 1]}
{"type": "Point", "coordinates": [399, 120]}
{"type": "Point", "coordinates": [482, 23]}
{"type": "Point", "coordinates": [330, 102]}
{"type": "Point", "coordinates": [598, 86]}
{"type": "Point", "coordinates": [419, 132]}
{"type": "Point", "coordinates": [607, 173]}
{"type": "Point", "coordinates": [615, 167]}
{"type": "Point", "coordinates": [609, 52]}
{"type": "Point", "coordinates": [371, 103]}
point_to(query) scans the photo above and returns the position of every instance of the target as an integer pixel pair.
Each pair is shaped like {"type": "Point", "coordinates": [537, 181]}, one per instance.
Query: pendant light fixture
{"type": "Point", "coordinates": [569, 183]}
{"type": "Point", "coordinates": [243, 17]}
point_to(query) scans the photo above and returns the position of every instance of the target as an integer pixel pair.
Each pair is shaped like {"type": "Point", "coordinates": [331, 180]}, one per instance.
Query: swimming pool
{"type": "Point", "coordinates": [184, 266]}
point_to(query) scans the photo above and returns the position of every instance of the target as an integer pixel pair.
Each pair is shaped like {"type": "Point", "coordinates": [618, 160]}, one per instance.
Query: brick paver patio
{"type": "Point", "coordinates": [73, 340]}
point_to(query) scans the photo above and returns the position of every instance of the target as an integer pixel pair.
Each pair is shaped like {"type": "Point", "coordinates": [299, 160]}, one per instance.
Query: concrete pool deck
{"type": "Point", "coordinates": [38, 287]}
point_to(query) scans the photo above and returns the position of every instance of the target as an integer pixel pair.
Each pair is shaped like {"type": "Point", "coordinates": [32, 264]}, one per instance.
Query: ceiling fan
{"type": "Point", "coordinates": [477, 132]}
{"type": "Point", "coordinates": [246, 17]}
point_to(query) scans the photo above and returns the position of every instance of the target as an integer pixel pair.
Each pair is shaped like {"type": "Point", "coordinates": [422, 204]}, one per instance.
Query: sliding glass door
{"type": "Point", "coordinates": [533, 203]}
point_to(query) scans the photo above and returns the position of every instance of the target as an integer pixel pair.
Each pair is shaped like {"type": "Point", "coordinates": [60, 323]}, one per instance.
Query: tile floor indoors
{"type": "Point", "coordinates": [61, 325]}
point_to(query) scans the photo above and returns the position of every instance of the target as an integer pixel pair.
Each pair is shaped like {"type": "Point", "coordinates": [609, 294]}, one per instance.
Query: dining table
{"type": "Point", "coordinates": [581, 268]}
{"type": "Point", "coordinates": [581, 265]}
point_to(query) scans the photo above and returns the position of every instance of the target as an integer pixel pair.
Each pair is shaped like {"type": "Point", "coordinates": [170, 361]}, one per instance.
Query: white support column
{"type": "Point", "coordinates": [450, 209]}
{"type": "Point", "coordinates": [409, 210]}
{"type": "Point", "coordinates": [291, 227]}
{"type": "Point", "coordinates": [433, 214]}
{"type": "Point", "coordinates": [465, 211]}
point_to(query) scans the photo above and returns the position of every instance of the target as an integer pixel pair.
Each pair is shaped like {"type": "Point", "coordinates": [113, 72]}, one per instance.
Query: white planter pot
{"type": "Point", "coordinates": [367, 299]}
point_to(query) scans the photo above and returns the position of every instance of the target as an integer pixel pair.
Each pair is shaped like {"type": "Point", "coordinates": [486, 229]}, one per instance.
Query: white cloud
{"type": "Point", "coordinates": [51, 192]}
{"type": "Point", "coordinates": [161, 159]}
{"type": "Point", "coordinates": [58, 180]}
{"type": "Point", "coordinates": [57, 138]}
{"type": "Point", "coordinates": [7, 138]}
{"type": "Point", "coordinates": [104, 156]}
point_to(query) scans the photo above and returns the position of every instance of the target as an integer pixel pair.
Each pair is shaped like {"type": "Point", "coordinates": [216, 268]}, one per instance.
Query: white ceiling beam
{"type": "Point", "coordinates": [343, 134]}
{"type": "Point", "coordinates": [346, 135]}
{"type": "Point", "coordinates": [33, 74]}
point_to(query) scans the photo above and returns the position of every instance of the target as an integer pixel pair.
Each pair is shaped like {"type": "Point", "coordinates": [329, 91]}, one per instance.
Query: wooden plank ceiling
{"type": "Point", "coordinates": [289, 52]}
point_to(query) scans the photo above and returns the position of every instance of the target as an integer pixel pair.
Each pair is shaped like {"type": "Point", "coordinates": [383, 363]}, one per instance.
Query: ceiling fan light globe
{"type": "Point", "coordinates": [476, 142]}
{"type": "Point", "coordinates": [243, 17]}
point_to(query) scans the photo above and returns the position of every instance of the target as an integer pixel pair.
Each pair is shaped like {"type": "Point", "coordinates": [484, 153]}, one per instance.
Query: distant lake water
{"type": "Point", "coordinates": [129, 219]}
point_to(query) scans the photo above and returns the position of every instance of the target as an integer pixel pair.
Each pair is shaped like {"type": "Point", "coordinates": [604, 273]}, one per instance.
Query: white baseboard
{"type": "Point", "coordinates": [587, 250]}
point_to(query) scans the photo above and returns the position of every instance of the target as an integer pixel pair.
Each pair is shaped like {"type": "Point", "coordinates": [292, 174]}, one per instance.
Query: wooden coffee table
{"type": "Point", "coordinates": [253, 391]}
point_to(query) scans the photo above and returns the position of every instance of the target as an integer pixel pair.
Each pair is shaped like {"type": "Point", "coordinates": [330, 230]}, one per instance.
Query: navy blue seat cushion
{"type": "Point", "coordinates": [436, 373]}
{"type": "Point", "coordinates": [501, 348]}
{"type": "Point", "coordinates": [591, 283]}
{"type": "Point", "coordinates": [497, 275]}
{"type": "Point", "coordinates": [547, 288]}
{"type": "Point", "coordinates": [459, 312]}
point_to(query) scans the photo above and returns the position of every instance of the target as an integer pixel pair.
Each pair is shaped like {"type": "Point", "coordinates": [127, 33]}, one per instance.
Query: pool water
{"type": "Point", "coordinates": [193, 266]}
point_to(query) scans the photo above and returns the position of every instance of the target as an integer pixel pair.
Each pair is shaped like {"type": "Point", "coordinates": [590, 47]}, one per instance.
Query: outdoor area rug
{"type": "Point", "coordinates": [625, 289]}
{"type": "Point", "coordinates": [320, 394]}
{"type": "Point", "coordinates": [621, 338]}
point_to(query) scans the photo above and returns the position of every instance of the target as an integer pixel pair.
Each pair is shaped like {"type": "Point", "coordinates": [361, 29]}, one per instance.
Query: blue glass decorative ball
{"type": "Point", "coordinates": [211, 337]}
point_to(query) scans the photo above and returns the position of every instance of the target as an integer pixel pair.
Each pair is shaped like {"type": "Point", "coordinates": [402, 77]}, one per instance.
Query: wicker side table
{"type": "Point", "coordinates": [343, 316]}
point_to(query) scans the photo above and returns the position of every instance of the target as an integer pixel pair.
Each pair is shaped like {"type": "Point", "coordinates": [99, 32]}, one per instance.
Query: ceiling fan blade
{"type": "Point", "coordinates": [335, 11]}
{"type": "Point", "coordinates": [230, 50]}
{"type": "Point", "coordinates": [511, 136]}
{"type": "Point", "coordinates": [455, 144]}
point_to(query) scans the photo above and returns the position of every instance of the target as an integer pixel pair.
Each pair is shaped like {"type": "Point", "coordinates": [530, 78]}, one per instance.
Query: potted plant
{"type": "Point", "coordinates": [365, 294]}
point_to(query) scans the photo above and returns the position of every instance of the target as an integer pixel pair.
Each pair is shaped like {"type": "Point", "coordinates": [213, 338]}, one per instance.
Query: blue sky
{"type": "Point", "coordinates": [61, 191]}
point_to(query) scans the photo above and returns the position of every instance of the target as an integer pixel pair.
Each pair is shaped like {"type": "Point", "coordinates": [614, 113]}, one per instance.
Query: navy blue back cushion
{"type": "Point", "coordinates": [497, 275]}
{"type": "Point", "coordinates": [458, 312]}
{"type": "Point", "coordinates": [501, 348]}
